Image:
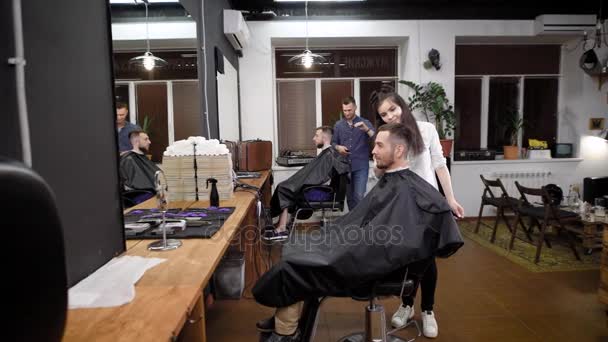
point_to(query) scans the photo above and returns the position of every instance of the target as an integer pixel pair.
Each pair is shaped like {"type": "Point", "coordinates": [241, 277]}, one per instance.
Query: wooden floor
{"type": "Point", "coordinates": [480, 297]}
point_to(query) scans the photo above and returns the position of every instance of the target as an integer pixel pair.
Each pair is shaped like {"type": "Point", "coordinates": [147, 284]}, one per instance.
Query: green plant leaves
{"type": "Point", "coordinates": [433, 102]}
{"type": "Point", "coordinates": [146, 124]}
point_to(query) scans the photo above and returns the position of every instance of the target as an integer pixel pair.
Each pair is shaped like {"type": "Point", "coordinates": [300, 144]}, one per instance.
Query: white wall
{"type": "Point", "coordinates": [579, 97]}
{"type": "Point", "coordinates": [580, 100]}
{"type": "Point", "coordinates": [159, 30]}
{"type": "Point", "coordinates": [468, 187]}
{"type": "Point", "coordinates": [227, 107]}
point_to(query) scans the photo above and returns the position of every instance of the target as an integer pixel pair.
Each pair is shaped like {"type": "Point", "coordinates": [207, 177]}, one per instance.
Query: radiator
{"type": "Point", "coordinates": [528, 178]}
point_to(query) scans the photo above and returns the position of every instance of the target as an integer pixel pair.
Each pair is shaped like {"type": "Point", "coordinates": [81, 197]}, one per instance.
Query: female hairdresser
{"type": "Point", "coordinates": [425, 159]}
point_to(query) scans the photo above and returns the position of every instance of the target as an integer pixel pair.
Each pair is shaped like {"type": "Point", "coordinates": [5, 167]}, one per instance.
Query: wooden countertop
{"type": "Point", "coordinates": [167, 293]}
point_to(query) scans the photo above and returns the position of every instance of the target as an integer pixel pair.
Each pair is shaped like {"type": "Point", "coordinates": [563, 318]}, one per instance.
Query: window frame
{"type": "Point", "coordinates": [318, 92]}
{"type": "Point", "coordinates": [170, 110]}
{"type": "Point", "coordinates": [485, 101]}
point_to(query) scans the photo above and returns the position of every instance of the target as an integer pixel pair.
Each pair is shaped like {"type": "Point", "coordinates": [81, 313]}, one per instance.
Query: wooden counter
{"type": "Point", "coordinates": [168, 301]}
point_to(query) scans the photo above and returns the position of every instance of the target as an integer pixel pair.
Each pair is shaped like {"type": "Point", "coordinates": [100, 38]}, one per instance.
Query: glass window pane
{"type": "Point", "coordinates": [540, 109]}
{"type": "Point", "coordinates": [152, 103]}
{"type": "Point", "coordinates": [296, 103]}
{"type": "Point", "coordinates": [121, 93]}
{"type": "Point", "coordinates": [504, 100]}
{"type": "Point", "coordinates": [332, 94]}
{"type": "Point", "coordinates": [187, 120]}
{"type": "Point", "coordinates": [467, 106]}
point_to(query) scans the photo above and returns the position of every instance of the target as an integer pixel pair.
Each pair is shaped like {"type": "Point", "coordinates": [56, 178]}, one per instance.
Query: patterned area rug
{"type": "Point", "coordinates": [558, 258]}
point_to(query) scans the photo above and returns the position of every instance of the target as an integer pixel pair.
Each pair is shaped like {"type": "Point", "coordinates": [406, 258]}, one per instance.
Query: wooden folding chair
{"type": "Point", "coordinates": [502, 202]}
{"type": "Point", "coordinates": [543, 216]}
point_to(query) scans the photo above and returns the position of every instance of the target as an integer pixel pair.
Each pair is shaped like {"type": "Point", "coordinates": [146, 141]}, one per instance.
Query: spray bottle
{"type": "Point", "coordinates": [214, 197]}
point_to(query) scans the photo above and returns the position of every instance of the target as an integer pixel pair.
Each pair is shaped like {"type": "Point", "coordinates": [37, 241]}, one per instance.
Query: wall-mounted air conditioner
{"type": "Point", "coordinates": [235, 29]}
{"type": "Point", "coordinates": [564, 24]}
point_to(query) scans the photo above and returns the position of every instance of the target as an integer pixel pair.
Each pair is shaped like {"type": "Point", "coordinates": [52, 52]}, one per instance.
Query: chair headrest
{"type": "Point", "coordinates": [38, 269]}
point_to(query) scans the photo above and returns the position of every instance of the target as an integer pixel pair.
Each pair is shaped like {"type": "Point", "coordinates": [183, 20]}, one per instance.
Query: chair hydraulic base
{"type": "Point", "coordinates": [375, 327]}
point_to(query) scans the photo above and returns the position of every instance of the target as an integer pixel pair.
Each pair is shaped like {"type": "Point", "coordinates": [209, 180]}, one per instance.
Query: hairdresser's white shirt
{"type": "Point", "coordinates": [431, 158]}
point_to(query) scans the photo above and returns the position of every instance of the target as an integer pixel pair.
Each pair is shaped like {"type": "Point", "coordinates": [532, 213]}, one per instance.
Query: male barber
{"type": "Point", "coordinates": [319, 171]}
{"type": "Point", "coordinates": [124, 127]}
{"type": "Point", "coordinates": [351, 139]}
{"type": "Point", "coordinates": [136, 170]}
{"type": "Point", "coordinates": [354, 252]}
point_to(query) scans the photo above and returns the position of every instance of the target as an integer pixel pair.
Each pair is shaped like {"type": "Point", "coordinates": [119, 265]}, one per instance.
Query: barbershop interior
{"type": "Point", "coordinates": [299, 171]}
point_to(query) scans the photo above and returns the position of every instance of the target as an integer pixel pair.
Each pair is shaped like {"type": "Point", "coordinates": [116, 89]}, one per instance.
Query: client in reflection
{"type": "Point", "coordinates": [328, 164]}
{"type": "Point", "coordinates": [137, 171]}
{"type": "Point", "coordinates": [401, 222]}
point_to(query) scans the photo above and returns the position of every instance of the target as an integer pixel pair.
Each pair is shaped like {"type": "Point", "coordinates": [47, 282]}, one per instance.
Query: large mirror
{"type": "Point", "coordinates": [161, 97]}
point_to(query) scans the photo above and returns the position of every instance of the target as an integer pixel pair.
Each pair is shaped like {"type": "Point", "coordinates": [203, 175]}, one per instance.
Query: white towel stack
{"type": "Point", "coordinates": [213, 161]}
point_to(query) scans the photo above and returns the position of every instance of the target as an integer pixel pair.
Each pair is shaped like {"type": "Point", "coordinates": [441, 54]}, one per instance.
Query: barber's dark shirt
{"type": "Point", "coordinates": [356, 140]}
{"type": "Point", "coordinates": [123, 136]}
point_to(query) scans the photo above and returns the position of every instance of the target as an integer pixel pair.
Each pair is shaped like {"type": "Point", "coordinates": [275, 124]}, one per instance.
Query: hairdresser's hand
{"type": "Point", "coordinates": [343, 150]}
{"type": "Point", "coordinates": [457, 209]}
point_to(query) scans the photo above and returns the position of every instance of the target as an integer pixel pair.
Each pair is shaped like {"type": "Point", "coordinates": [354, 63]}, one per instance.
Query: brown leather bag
{"type": "Point", "coordinates": [255, 155]}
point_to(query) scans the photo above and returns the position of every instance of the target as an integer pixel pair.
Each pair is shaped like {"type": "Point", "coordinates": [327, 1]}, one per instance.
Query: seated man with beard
{"type": "Point", "coordinates": [136, 170]}
{"type": "Point", "coordinates": [402, 222]}
{"type": "Point", "coordinates": [288, 194]}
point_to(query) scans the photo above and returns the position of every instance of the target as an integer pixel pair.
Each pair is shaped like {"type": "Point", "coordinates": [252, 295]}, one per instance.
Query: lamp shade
{"type": "Point", "coordinates": [148, 61]}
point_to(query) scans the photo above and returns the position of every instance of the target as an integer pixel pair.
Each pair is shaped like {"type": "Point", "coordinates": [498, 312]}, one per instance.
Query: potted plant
{"type": "Point", "coordinates": [434, 104]}
{"type": "Point", "coordinates": [513, 123]}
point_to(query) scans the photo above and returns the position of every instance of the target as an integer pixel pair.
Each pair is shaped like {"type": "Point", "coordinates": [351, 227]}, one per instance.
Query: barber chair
{"type": "Point", "coordinates": [375, 319]}
{"type": "Point", "coordinates": [322, 198]}
{"type": "Point", "coordinates": [34, 257]}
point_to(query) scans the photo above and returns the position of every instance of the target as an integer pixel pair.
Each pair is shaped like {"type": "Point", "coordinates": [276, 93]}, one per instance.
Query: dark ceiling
{"type": "Point", "coordinates": [415, 9]}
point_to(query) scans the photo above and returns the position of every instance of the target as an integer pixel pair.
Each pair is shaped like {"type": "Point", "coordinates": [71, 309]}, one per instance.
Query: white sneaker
{"type": "Point", "coordinates": [402, 315]}
{"type": "Point", "coordinates": [429, 324]}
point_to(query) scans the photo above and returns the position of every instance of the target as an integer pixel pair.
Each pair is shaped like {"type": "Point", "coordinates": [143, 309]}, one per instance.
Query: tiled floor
{"type": "Point", "coordinates": [480, 297]}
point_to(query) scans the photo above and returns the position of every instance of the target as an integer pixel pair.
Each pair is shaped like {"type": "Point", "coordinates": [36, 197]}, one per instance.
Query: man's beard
{"type": "Point", "coordinates": [390, 160]}
{"type": "Point", "coordinates": [384, 166]}
{"type": "Point", "coordinates": [143, 149]}
{"type": "Point", "coordinates": [320, 145]}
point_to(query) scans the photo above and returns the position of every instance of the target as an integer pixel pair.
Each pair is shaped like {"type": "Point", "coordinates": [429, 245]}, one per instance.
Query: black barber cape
{"type": "Point", "coordinates": [326, 165]}
{"type": "Point", "coordinates": [137, 171]}
{"type": "Point", "coordinates": [403, 219]}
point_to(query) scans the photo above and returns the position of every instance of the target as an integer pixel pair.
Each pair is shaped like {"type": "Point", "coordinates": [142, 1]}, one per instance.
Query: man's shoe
{"type": "Point", "coordinates": [273, 235]}
{"type": "Point", "coordinates": [274, 337]}
{"type": "Point", "coordinates": [429, 324]}
{"type": "Point", "coordinates": [265, 325]}
{"type": "Point", "coordinates": [402, 316]}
